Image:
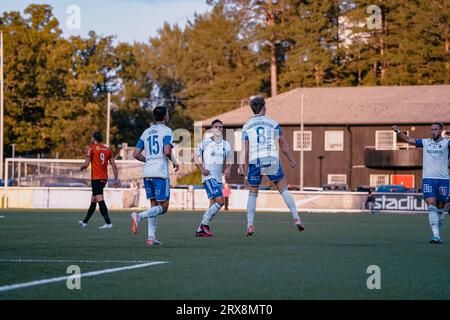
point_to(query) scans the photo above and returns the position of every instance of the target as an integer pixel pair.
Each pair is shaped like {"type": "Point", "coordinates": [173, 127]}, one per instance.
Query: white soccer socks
{"type": "Point", "coordinates": [151, 213]}
{"type": "Point", "coordinates": [152, 223]}
{"type": "Point", "coordinates": [433, 216]}
{"type": "Point", "coordinates": [211, 213]}
{"type": "Point", "coordinates": [440, 217]}
{"type": "Point", "coordinates": [290, 202]}
{"type": "Point", "coordinates": [251, 208]}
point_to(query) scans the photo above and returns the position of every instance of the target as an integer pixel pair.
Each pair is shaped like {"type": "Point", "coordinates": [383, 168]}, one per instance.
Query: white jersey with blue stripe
{"type": "Point", "coordinates": [263, 135]}
{"type": "Point", "coordinates": [213, 155]}
{"type": "Point", "coordinates": [152, 142]}
{"type": "Point", "coordinates": [435, 158]}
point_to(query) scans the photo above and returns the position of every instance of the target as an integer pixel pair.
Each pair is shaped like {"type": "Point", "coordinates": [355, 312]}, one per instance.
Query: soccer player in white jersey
{"type": "Point", "coordinates": [262, 138]}
{"type": "Point", "coordinates": [213, 158]}
{"type": "Point", "coordinates": [157, 144]}
{"type": "Point", "coordinates": [435, 174]}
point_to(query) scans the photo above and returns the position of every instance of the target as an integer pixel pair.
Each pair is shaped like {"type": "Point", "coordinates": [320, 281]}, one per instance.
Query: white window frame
{"type": "Point", "coordinates": [296, 135]}
{"type": "Point", "coordinates": [238, 141]}
{"type": "Point", "coordinates": [374, 178]}
{"type": "Point", "coordinates": [377, 140]}
{"type": "Point", "coordinates": [327, 138]}
{"type": "Point", "coordinates": [330, 178]}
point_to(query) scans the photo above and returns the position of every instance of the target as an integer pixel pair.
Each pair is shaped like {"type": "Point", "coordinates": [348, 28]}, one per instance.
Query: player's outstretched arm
{"type": "Point", "coordinates": [198, 160]}
{"type": "Point", "coordinates": [87, 161]}
{"type": "Point", "coordinates": [227, 170]}
{"type": "Point", "coordinates": [168, 152]}
{"type": "Point", "coordinates": [115, 172]}
{"type": "Point", "coordinates": [403, 136]}
{"type": "Point", "coordinates": [287, 152]}
{"type": "Point", "coordinates": [174, 161]}
{"type": "Point", "coordinates": [244, 158]}
{"type": "Point", "coordinates": [137, 154]}
{"type": "Point", "coordinates": [227, 164]}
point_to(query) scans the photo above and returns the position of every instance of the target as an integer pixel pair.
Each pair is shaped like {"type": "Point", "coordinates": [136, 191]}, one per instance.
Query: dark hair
{"type": "Point", "coordinates": [159, 113]}
{"type": "Point", "coordinates": [440, 124]}
{"type": "Point", "coordinates": [216, 121]}
{"type": "Point", "coordinates": [257, 103]}
{"type": "Point", "coordinates": [98, 136]}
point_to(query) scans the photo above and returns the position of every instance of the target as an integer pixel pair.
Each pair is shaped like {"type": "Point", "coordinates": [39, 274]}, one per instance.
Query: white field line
{"type": "Point", "coordinates": [85, 275]}
{"type": "Point", "coordinates": [68, 261]}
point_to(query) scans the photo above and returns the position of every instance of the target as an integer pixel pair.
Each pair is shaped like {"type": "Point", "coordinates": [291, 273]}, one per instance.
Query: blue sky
{"type": "Point", "coordinates": [129, 20]}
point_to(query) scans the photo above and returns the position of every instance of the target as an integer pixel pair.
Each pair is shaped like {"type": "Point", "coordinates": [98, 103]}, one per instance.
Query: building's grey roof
{"type": "Point", "coordinates": [353, 106]}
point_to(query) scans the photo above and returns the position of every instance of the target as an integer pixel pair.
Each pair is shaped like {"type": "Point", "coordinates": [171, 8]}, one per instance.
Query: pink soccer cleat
{"type": "Point", "coordinates": [300, 226]}
{"type": "Point", "coordinates": [250, 231]}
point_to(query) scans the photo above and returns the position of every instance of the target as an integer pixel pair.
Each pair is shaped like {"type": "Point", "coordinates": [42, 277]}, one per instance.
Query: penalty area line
{"type": "Point", "coordinates": [82, 275]}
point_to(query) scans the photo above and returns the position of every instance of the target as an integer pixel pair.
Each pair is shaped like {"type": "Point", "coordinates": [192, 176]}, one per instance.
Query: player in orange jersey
{"type": "Point", "coordinates": [98, 155]}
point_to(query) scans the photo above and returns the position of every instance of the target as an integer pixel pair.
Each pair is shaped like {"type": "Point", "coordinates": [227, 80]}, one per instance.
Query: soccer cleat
{"type": "Point", "coordinates": [250, 231]}
{"type": "Point", "coordinates": [153, 242]}
{"type": "Point", "coordinates": [82, 224]}
{"type": "Point", "coordinates": [300, 226]}
{"type": "Point", "coordinates": [207, 230]}
{"type": "Point", "coordinates": [134, 222]}
{"type": "Point", "coordinates": [106, 226]}
{"type": "Point", "coordinates": [436, 240]}
{"type": "Point", "coordinates": [202, 234]}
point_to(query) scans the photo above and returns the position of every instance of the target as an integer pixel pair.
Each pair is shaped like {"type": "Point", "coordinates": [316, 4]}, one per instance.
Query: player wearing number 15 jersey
{"type": "Point", "coordinates": [262, 138]}
{"type": "Point", "coordinates": [154, 148]}
{"type": "Point", "coordinates": [98, 156]}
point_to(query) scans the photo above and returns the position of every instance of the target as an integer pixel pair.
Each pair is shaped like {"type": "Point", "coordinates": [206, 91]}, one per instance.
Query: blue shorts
{"type": "Point", "coordinates": [157, 189]}
{"type": "Point", "coordinates": [213, 189]}
{"type": "Point", "coordinates": [436, 188]}
{"type": "Point", "coordinates": [255, 173]}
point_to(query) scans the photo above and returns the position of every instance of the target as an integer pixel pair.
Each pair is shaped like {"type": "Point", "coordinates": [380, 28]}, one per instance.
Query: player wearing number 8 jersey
{"type": "Point", "coordinates": [154, 148]}
{"type": "Point", "coordinates": [98, 156]}
{"type": "Point", "coordinates": [262, 138]}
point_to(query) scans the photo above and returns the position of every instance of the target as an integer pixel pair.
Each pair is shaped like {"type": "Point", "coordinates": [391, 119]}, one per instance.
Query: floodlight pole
{"type": "Point", "coordinates": [1, 104]}
{"type": "Point", "coordinates": [302, 151]}
{"type": "Point", "coordinates": [108, 121]}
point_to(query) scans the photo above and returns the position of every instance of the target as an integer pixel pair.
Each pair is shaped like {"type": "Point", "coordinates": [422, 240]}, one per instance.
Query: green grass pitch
{"type": "Point", "coordinates": [328, 261]}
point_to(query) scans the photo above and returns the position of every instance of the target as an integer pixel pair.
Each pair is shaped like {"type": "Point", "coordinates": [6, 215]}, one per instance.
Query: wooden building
{"type": "Point", "coordinates": [347, 135]}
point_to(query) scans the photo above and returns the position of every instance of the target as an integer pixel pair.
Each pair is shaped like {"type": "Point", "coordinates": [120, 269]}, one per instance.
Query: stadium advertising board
{"type": "Point", "coordinates": [399, 202]}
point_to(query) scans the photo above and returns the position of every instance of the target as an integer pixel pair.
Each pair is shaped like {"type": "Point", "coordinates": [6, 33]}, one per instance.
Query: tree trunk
{"type": "Point", "coordinates": [210, 73]}
{"type": "Point", "coordinates": [273, 68]}
{"type": "Point", "coordinates": [318, 74]}
{"type": "Point", "coordinates": [382, 47]}
{"type": "Point", "coordinates": [447, 64]}
{"type": "Point", "coordinates": [359, 71]}
{"type": "Point", "coordinates": [273, 50]}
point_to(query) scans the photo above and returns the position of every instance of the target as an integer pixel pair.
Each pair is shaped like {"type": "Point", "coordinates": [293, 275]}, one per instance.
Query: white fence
{"type": "Point", "coordinates": [185, 199]}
